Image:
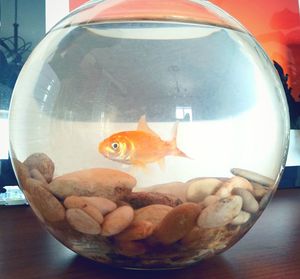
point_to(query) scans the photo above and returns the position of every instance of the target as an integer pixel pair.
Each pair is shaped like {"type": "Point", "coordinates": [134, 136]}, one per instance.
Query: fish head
{"type": "Point", "coordinates": [115, 147]}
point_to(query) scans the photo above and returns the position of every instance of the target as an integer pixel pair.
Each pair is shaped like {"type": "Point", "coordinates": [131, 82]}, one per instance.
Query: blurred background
{"type": "Point", "coordinates": [275, 24]}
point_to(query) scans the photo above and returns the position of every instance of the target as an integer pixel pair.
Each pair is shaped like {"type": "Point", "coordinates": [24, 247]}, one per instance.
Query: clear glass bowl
{"type": "Point", "coordinates": [148, 134]}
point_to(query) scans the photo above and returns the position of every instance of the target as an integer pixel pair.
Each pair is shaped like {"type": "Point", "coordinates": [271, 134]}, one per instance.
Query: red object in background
{"type": "Point", "coordinates": [73, 4]}
{"type": "Point", "coordinates": [169, 10]}
{"type": "Point", "coordinates": [275, 24]}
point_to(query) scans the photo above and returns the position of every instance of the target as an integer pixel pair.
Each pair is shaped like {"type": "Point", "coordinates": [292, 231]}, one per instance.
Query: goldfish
{"type": "Point", "coordinates": [140, 147]}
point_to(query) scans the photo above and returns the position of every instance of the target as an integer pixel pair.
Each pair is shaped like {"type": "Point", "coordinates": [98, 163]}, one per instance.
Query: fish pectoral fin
{"type": "Point", "coordinates": [162, 164]}
{"type": "Point", "coordinates": [143, 126]}
{"type": "Point", "coordinates": [138, 163]}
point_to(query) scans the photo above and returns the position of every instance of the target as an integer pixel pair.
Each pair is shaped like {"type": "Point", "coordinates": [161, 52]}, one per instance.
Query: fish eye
{"type": "Point", "coordinates": [115, 145]}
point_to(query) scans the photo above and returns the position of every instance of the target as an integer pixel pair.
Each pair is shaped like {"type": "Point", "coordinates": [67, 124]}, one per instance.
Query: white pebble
{"type": "Point", "coordinates": [198, 190]}
{"type": "Point", "coordinates": [234, 182]}
{"type": "Point", "coordinates": [249, 202]}
{"type": "Point", "coordinates": [210, 200]}
{"type": "Point", "coordinates": [241, 219]}
{"type": "Point", "coordinates": [220, 213]}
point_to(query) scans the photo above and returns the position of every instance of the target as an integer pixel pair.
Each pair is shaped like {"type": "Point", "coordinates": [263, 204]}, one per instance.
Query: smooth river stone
{"type": "Point", "coordinates": [210, 200]}
{"type": "Point", "coordinates": [142, 199]}
{"type": "Point", "coordinates": [220, 213]}
{"type": "Point", "coordinates": [136, 231]}
{"type": "Point", "coordinates": [22, 173]}
{"type": "Point", "coordinates": [249, 202]}
{"type": "Point", "coordinates": [107, 183]}
{"type": "Point", "coordinates": [130, 248]}
{"type": "Point", "coordinates": [117, 220]}
{"type": "Point", "coordinates": [90, 209]}
{"type": "Point", "coordinates": [209, 238]}
{"type": "Point", "coordinates": [241, 219]}
{"type": "Point", "coordinates": [177, 223]}
{"type": "Point", "coordinates": [253, 177]}
{"type": "Point", "coordinates": [44, 202]}
{"type": "Point", "coordinates": [234, 182]}
{"type": "Point", "coordinates": [198, 190]}
{"type": "Point", "coordinates": [42, 163]}
{"type": "Point", "coordinates": [259, 191]}
{"type": "Point", "coordinates": [104, 205]}
{"type": "Point", "coordinates": [34, 173]}
{"type": "Point", "coordinates": [82, 221]}
{"type": "Point", "coordinates": [177, 189]}
{"type": "Point", "coordinates": [152, 213]}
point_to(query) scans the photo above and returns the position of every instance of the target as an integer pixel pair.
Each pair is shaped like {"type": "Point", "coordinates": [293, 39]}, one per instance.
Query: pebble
{"type": "Point", "coordinates": [82, 222]}
{"type": "Point", "coordinates": [152, 213]}
{"type": "Point", "coordinates": [241, 219]}
{"type": "Point", "coordinates": [142, 199]}
{"type": "Point", "coordinates": [209, 238]}
{"type": "Point", "coordinates": [249, 202]}
{"type": "Point", "coordinates": [32, 206]}
{"type": "Point", "coordinates": [42, 163]}
{"type": "Point", "coordinates": [234, 182]}
{"type": "Point", "coordinates": [193, 238]}
{"type": "Point", "coordinates": [117, 220]}
{"type": "Point", "coordinates": [35, 173]}
{"type": "Point", "coordinates": [176, 188]}
{"type": "Point", "coordinates": [177, 223]}
{"type": "Point", "coordinates": [259, 191]}
{"type": "Point", "coordinates": [43, 201]}
{"type": "Point", "coordinates": [198, 190]}
{"type": "Point", "coordinates": [265, 200]}
{"type": "Point", "coordinates": [104, 205]}
{"type": "Point", "coordinates": [107, 183]}
{"type": "Point", "coordinates": [220, 213]}
{"type": "Point", "coordinates": [210, 200]}
{"type": "Point", "coordinates": [22, 173]}
{"type": "Point", "coordinates": [79, 202]}
{"type": "Point", "coordinates": [254, 177]}
{"type": "Point", "coordinates": [32, 183]}
{"type": "Point", "coordinates": [136, 231]}
{"type": "Point", "coordinates": [94, 213]}
{"type": "Point", "coordinates": [130, 248]}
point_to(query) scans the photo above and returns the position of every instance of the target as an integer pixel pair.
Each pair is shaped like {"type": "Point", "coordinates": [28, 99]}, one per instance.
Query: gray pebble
{"type": "Point", "coordinates": [249, 202]}
{"type": "Point", "coordinates": [254, 177]}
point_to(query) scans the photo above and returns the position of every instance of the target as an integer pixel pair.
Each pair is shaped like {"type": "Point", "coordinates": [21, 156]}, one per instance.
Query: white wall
{"type": "Point", "coordinates": [55, 10]}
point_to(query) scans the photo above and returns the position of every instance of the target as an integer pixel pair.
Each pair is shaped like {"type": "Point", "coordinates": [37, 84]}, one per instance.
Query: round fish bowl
{"type": "Point", "coordinates": [148, 134]}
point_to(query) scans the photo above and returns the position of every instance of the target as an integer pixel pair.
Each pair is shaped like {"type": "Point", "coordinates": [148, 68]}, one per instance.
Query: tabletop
{"type": "Point", "coordinates": [271, 249]}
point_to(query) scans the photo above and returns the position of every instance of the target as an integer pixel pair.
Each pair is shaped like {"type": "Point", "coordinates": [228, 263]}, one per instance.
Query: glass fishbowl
{"type": "Point", "coordinates": [148, 134]}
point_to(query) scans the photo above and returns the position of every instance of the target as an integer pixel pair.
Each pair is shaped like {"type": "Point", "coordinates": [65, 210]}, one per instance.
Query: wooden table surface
{"type": "Point", "coordinates": [271, 249]}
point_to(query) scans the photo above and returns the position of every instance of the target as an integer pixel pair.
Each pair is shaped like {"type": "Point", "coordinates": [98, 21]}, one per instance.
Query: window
{"type": "Point", "coordinates": [184, 113]}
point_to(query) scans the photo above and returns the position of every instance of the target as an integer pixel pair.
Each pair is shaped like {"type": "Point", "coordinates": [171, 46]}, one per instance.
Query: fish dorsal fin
{"type": "Point", "coordinates": [143, 126]}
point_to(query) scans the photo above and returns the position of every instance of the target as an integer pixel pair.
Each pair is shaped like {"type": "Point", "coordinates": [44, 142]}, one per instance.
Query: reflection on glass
{"type": "Point", "coordinates": [184, 113]}
{"type": "Point", "coordinates": [4, 135]}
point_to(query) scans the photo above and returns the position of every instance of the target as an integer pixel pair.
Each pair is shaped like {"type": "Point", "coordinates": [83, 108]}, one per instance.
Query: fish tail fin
{"type": "Point", "coordinates": [174, 150]}
{"type": "Point", "coordinates": [178, 152]}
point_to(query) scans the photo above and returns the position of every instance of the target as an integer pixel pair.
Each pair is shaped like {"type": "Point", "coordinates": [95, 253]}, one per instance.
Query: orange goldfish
{"type": "Point", "coordinates": [139, 147]}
